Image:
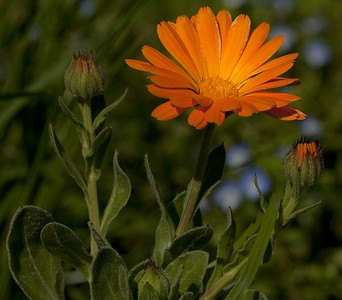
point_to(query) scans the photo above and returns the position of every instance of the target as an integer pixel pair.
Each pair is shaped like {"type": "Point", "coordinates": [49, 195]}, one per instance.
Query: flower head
{"type": "Point", "coordinates": [85, 76]}
{"type": "Point", "coordinates": [218, 67]}
{"type": "Point", "coordinates": [304, 163]}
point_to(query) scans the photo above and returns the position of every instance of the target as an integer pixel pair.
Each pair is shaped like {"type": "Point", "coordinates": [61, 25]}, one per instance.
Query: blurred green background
{"type": "Point", "coordinates": [37, 41]}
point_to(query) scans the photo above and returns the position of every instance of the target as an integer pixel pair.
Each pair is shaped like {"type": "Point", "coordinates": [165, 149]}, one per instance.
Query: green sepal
{"type": "Point", "coordinates": [67, 161]}
{"type": "Point", "coordinates": [255, 295]}
{"type": "Point", "coordinates": [103, 114]}
{"type": "Point", "coordinates": [164, 231]}
{"type": "Point", "coordinates": [109, 276]}
{"type": "Point", "coordinates": [121, 192]}
{"type": "Point", "coordinates": [38, 273]}
{"type": "Point", "coordinates": [63, 243]}
{"type": "Point", "coordinates": [191, 240]}
{"type": "Point", "coordinates": [224, 249]}
{"type": "Point", "coordinates": [193, 266]}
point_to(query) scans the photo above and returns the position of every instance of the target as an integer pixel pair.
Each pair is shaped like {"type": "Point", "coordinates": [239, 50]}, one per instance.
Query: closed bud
{"type": "Point", "coordinates": [84, 77]}
{"type": "Point", "coordinates": [304, 163]}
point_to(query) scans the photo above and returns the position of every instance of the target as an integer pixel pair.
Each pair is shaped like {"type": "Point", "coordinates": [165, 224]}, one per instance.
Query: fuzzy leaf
{"type": "Point", "coordinates": [193, 265]}
{"type": "Point", "coordinates": [70, 115]}
{"type": "Point", "coordinates": [187, 296]}
{"type": "Point", "coordinates": [67, 161]}
{"type": "Point", "coordinates": [191, 240]}
{"type": "Point", "coordinates": [134, 274]}
{"type": "Point", "coordinates": [303, 210]}
{"type": "Point", "coordinates": [256, 256]}
{"type": "Point", "coordinates": [36, 271]}
{"type": "Point", "coordinates": [164, 229]}
{"type": "Point", "coordinates": [101, 242]}
{"type": "Point", "coordinates": [147, 292]}
{"type": "Point", "coordinates": [109, 276]}
{"type": "Point", "coordinates": [102, 116]}
{"type": "Point", "coordinates": [100, 146]}
{"type": "Point", "coordinates": [255, 295]}
{"type": "Point", "coordinates": [62, 242]}
{"type": "Point", "coordinates": [119, 197]}
{"type": "Point", "coordinates": [224, 249]}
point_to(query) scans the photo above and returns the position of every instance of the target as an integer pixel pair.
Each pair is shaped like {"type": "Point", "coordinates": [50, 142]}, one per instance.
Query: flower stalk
{"type": "Point", "coordinates": [196, 182]}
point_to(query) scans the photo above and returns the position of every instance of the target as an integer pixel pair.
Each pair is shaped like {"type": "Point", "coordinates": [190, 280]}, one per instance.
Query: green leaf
{"type": "Point", "coordinates": [187, 296]}
{"type": "Point", "coordinates": [224, 249]}
{"type": "Point", "coordinates": [100, 147]}
{"type": "Point", "coordinates": [215, 166]}
{"type": "Point", "coordinates": [38, 273]}
{"type": "Point", "coordinates": [193, 266]}
{"type": "Point", "coordinates": [70, 115]}
{"type": "Point", "coordinates": [303, 210]}
{"type": "Point", "coordinates": [175, 208]}
{"type": "Point", "coordinates": [134, 274]}
{"type": "Point", "coordinates": [68, 163]}
{"type": "Point", "coordinates": [191, 240]}
{"type": "Point", "coordinates": [255, 295]}
{"type": "Point", "coordinates": [119, 197]}
{"type": "Point", "coordinates": [62, 242]}
{"type": "Point", "coordinates": [164, 231]}
{"type": "Point", "coordinates": [263, 202]}
{"type": "Point", "coordinates": [102, 116]}
{"type": "Point", "coordinates": [109, 276]}
{"type": "Point", "coordinates": [101, 242]}
{"type": "Point", "coordinates": [256, 256]}
{"type": "Point", "coordinates": [148, 292]}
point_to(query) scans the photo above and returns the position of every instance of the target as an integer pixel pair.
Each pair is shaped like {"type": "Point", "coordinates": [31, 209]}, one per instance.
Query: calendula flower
{"type": "Point", "coordinates": [304, 163]}
{"type": "Point", "coordinates": [218, 67]}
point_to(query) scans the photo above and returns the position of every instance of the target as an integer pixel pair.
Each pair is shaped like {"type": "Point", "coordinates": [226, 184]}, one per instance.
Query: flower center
{"type": "Point", "coordinates": [218, 88]}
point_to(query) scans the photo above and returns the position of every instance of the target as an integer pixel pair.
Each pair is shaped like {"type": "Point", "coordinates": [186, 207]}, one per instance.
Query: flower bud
{"type": "Point", "coordinates": [84, 77]}
{"type": "Point", "coordinates": [304, 163]}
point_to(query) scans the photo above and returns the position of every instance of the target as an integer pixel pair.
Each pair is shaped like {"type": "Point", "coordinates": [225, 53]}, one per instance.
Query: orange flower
{"type": "Point", "coordinates": [220, 68]}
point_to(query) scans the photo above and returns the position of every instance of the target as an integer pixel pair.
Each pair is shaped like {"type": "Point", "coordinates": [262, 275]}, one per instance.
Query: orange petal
{"type": "Point", "coordinates": [276, 62]}
{"type": "Point", "coordinates": [259, 57]}
{"type": "Point", "coordinates": [187, 32]}
{"type": "Point", "coordinates": [196, 119]}
{"type": "Point", "coordinates": [280, 99]}
{"type": "Point", "coordinates": [214, 115]}
{"type": "Point", "coordinates": [203, 100]}
{"type": "Point", "coordinates": [161, 61]}
{"type": "Point", "coordinates": [276, 83]}
{"type": "Point", "coordinates": [236, 41]}
{"type": "Point", "coordinates": [147, 67]}
{"type": "Point", "coordinates": [286, 113]}
{"type": "Point", "coordinates": [171, 82]}
{"type": "Point", "coordinates": [166, 111]}
{"type": "Point", "coordinates": [185, 95]}
{"type": "Point", "coordinates": [246, 109]}
{"type": "Point", "coordinates": [247, 60]}
{"type": "Point", "coordinates": [224, 21]}
{"type": "Point", "coordinates": [258, 102]}
{"type": "Point", "coordinates": [173, 43]}
{"type": "Point", "coordinates": [208, 32]}
{"type": "Point", "coordinates": [228, 104]}
{"type": "Point", "coordinates": [253, 83]}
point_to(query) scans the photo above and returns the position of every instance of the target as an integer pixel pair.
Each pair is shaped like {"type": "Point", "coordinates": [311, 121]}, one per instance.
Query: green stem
{"type": "Point", "coordinates": [195, 184]}
{"type": "Point", "coordinates": [90, 171]}
{"type": "Point", "coordinates": [290, 201]}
